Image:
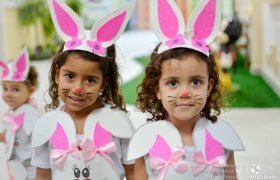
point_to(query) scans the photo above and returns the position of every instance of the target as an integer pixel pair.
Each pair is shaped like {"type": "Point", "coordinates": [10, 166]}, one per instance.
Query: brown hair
{"type": "Point", "coordinates": [32, 77]}
{"type": "Point", "coordinates": [147, 100]}
{"type": "Point", "coordinates": [108, 67]}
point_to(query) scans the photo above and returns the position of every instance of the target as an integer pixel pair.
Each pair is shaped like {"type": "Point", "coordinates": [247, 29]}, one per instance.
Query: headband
{"type": "Point", "coordinates": [169, 25]}
{"type": "Point", "coordinates": [103, 34]}
{"type": "Point", "coordinates": [18, 69]}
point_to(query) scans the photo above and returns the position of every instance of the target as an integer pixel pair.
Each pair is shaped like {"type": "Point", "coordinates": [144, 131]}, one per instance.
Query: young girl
{"type": "Point", "coordinates": [87, 138]}
{"type": "Point", "coordinates": [19, 81]}
{"type": "Point", "coordinates": [183, 93]}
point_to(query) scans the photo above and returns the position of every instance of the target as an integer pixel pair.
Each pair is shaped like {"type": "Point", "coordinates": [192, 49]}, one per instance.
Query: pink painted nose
{"type": "Point", "coordinates": [78, 90]}
{"type": "Point", "coordinates": [185, 94]}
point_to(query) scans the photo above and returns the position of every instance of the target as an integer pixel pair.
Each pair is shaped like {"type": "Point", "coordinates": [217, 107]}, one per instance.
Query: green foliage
{"type": "Point", "coordinates": [33, 12]}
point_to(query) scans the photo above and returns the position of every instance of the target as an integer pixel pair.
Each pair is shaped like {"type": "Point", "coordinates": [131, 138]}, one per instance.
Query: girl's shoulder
{"type": "Point", "coordinates": [163, 134]}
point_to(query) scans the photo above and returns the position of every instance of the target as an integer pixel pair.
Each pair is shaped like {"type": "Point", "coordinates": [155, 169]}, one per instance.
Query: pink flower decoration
{"type": "Point", "coordinates": [17, 76]}
{"type": "Point", "coordinates": [179, 39]}
{"type": "Point", "coordinates": [96, 47]}
{"type": "Point", "coordinates": [4, 73]}
{"type": "Point", "coordinates": [200, 44]}
{"type": "Point", "coordinates": [74, 42]}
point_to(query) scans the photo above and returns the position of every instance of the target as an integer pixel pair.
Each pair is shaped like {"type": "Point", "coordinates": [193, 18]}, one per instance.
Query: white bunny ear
{"type": "Point", "coordinates": [4, 70]}
{"type": "Point", "coordinates": [108, 29]}
{"type": "Point", "coordinates": [67, 23]}
{"type": "Point", "coordinates": [55, 125]}
{"type": "Point", "coordinates": [167, 21]}
{"type": "Point", "coordinates": [20, 66]}
{"type": "Point", "coordinates": [149, 135]}
{"type": "Point", "coordinates": [31, 115]}
{"type": "Point", "coordinates": [205, 20]}
{"type": "Point", "coordinates": [113, 121]}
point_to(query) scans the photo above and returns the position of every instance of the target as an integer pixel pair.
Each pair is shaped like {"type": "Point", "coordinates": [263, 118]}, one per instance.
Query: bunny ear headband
{"type": "Point", "coordinates": [18, 70]}
{"type": "Point", "coordinates": [103, 34]}
{"type": "Point", "coordinates": [169, 25]}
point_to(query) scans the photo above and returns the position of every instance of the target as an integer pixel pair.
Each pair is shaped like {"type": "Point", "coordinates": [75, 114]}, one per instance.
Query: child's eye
{"type": "Point", "coordinates": [196, 82]}
{"type": "Point", "coordinates": [69, 76]}
{"type": "Point", "coordinates": [172, 83]}
{"type": "Point", "coordinates": [5, 89]}
{"type": "Point", "coordinates": [90, 80]}
{"type": "Point", "coordinates": [15, 90]}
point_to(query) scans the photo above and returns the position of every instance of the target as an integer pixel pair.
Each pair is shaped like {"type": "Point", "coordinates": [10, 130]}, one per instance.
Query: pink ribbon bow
{"type": "Point", "coordinates": [214, 164]}
{"type": "Point", "coordinates": [9, 117]}
{"type": "Point", "coordinates": [89, 150]}
{"type": "Point", "coordinates": [175, 161]}
{"type": "Point", "coordinates": [60, 156]}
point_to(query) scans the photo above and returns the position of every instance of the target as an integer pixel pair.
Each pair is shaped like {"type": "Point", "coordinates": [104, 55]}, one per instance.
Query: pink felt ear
{"type": "Point", "coordinates": [2, 64]}
{"type": "Point", "coordinates": [59, 138]}
{"type": "Point", "coordinates": [65, 21]}
{"type": "Point", "coordinates": [19, 119]}
{"type": "Point", "coordinates": [21, 63]}
{"type": "Point", "coordinates": [101, 136]}
{"type": "Point", "coordinates": [205, 21]}
{"type": "Point", "coordinates": [213, 148]}
{"type": "Point", "coordinates": [110, 29]}
{"type": "Point", "coordinates": [160, 149]}
{"type": "Point", "coordinates": [168, 20]}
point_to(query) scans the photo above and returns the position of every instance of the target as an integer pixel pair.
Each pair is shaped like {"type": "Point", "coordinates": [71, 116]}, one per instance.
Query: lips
{"type": "Point", "coordinates": [76, 98]}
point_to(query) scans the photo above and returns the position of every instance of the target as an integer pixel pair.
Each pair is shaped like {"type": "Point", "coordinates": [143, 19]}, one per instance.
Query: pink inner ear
{"type": "Point", "coordinates": [205, 21]}
{"type": "Point", "coordinates": [21, 63]}
{"type": "Point", "coordinates": [3, 65]}
{"type": "Point", "coordinates": [59, 138]}
{"type": "Point", "coordinates": [101, 136]}
{"type": "Point", "coordinates": [19, 119]}
{"type": "Point", "coordinates": [213, 148]}
{"type": "Point", "coordinates": [111, 28]}
{"type": "Point", "coordinates": [168, 20]}
{"type": "Point", "coordinates": [160, 149]}
{"type": "Point", "coordinates": [65, 21]}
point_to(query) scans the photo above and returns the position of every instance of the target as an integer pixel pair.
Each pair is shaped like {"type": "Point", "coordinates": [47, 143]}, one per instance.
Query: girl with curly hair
{"type": "Point", "coordinates": [183, 95]}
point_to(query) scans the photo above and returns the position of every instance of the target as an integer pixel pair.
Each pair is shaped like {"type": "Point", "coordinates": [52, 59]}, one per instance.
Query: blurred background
{"type": "Point", "coordinates": [247, 49]}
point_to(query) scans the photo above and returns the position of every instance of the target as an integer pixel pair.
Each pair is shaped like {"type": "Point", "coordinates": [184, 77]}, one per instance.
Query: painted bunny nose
{"type": "Point", "coordinates": [185, 94]}
{"type": "Point", "coordinates": [78, 90]}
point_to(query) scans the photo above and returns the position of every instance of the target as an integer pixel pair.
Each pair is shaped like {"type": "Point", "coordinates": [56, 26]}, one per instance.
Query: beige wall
{"type": "Point", "coordinates": [16, 35]}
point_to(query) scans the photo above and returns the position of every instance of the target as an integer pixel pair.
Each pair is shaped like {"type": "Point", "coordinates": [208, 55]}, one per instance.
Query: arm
{"type": "Point", "coordinates": [230, 170]}
{"type": "Point", "coordinates": [43, 174]}
{"type": "Point", "coordinates": [2, 137]}
{"type": "Point", "coordinates": [129, 169]}
{"type": "Point", "coordinates": [140, 169]}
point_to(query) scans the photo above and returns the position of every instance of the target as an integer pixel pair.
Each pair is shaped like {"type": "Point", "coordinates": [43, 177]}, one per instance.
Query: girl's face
{"type": "Point", "coordinates": [79, 82]}
{"type": "Point", "coordinates": [184, 87]}
{"type": "Point", "coordinates": [16, 93]}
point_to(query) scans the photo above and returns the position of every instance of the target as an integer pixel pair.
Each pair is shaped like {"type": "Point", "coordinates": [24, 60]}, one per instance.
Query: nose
{"type": "Point", "coordinates": [78, 90]}
{"type": "Point", "coordinates": [185, 94]}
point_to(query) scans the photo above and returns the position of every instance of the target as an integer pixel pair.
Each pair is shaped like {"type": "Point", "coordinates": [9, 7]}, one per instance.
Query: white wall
{"type": "Point", "coordinates": [2, 33]}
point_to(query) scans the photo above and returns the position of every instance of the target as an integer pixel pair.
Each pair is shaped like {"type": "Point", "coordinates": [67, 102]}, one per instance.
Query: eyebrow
{"type": "Point", "coordinates": [191, 77]}
{"type": "Point", "coordinates": [68, 71]}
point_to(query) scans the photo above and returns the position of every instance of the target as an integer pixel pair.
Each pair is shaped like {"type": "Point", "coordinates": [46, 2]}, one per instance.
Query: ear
{"type": "Point", "coordinates": [104, 83]}
{"type": "Point", "coordinates": [56, 74]}
{"type": "Point", "coordinates": [31, 90]}
{"type": "Point", "coordinates": [108, 29]}
{"type": "Point", "coordinates": [157, 93]}
{"type": "Point", "coordinates": [205, 20]}
{"type": "Point", "coordinates": [210, 86]}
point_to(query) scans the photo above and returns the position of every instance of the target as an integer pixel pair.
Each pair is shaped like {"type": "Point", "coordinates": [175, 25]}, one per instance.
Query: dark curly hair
{"type": "Point", "coordinates": [109, 68]}
{"type": "Point", "coordinates": [147, 100]}
{"type": "Point", "coordinates": [32, 77]}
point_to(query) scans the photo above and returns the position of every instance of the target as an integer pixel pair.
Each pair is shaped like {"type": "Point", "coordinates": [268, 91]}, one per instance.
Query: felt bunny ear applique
{"type": "Point", "coordinates": [152, 138]}
{"type": "Point", "coordinates": [18, 70]}
{"type": "Point", "coordinates": [169, 26]}
{"type": "Point", "coordinates": [104, 33]}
